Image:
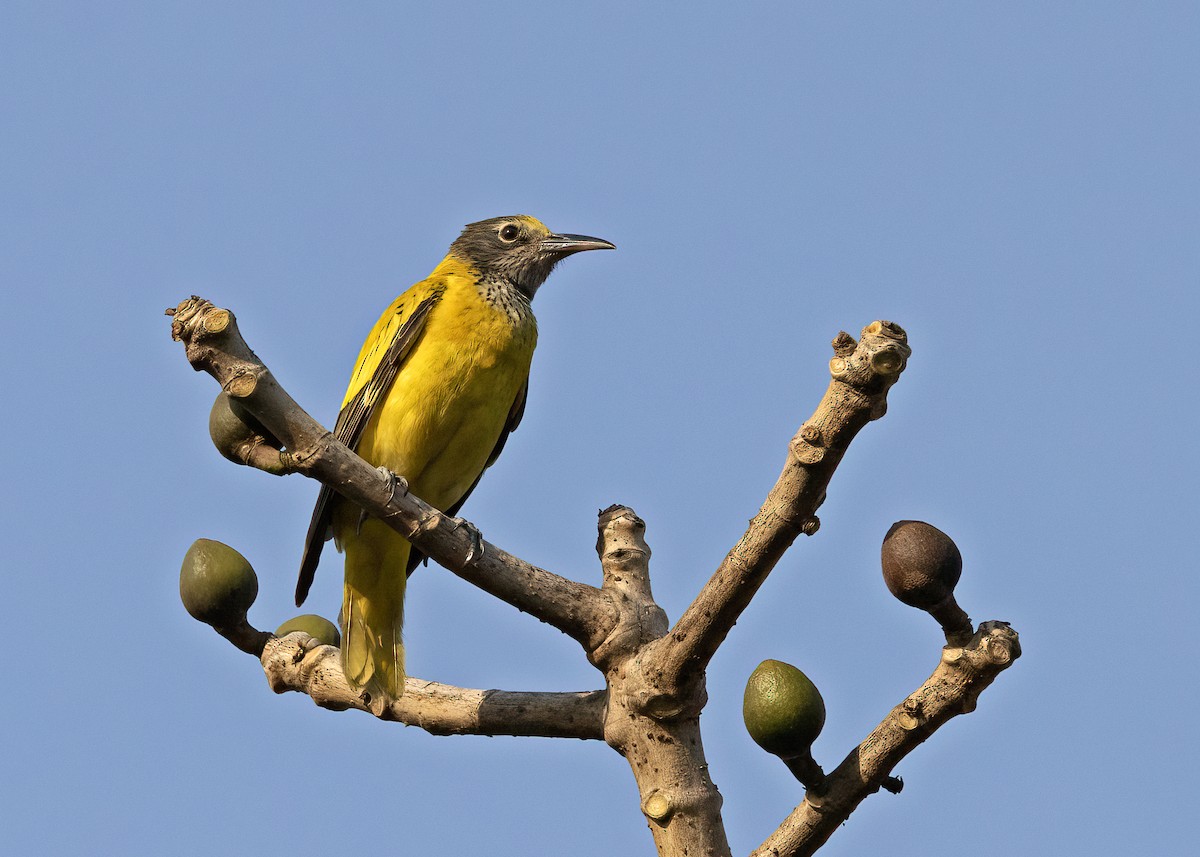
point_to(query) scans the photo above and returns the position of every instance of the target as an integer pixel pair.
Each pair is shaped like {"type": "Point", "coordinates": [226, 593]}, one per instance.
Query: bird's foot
{"type": "Point", "coordinates": [396, 482]}
{"type": "Point", "coordinates": [475, 551]}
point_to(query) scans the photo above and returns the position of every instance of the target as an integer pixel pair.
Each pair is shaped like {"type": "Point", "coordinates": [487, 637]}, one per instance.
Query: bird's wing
{"type": "Point", "coordinates": [415, 557]}
{"type": "Point", "coordinates": [357, 410]}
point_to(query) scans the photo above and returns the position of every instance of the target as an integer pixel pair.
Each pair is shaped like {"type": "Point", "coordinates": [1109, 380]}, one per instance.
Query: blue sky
{"type": "Point", "coordinates": [1015, 184]}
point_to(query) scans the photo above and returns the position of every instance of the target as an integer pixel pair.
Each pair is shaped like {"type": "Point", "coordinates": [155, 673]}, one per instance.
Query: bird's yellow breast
{"type": "Point", "coordinates": [448, 405]}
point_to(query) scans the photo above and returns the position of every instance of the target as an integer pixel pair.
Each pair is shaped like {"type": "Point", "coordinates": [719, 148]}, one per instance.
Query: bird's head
{"type": "Point", "coordinates": [519, 249]}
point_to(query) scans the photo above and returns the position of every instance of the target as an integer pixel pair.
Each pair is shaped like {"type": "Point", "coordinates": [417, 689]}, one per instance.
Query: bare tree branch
{"type": "Point", "coordinates": [862, 373]}
{"type": "Point", "coordinates": [291, 664]}
{"type": "Point", "coordinates": [952, 689]}
{"type": "Point", "coordinates": [214, 345]}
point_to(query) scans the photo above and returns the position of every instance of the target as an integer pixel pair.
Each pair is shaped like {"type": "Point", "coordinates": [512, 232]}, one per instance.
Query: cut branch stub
{"type": "Point", "coordinates": [625, 561]}
{"type": "Point", "coordinates": [921, 566]}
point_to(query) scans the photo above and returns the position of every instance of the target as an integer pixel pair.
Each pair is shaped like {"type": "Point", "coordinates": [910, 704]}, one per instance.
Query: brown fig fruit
{"type": "Point", "coordinates": [921, 566]}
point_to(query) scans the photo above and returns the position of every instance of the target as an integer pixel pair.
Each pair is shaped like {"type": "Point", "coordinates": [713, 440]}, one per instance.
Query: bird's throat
{"type": "Point", "coordinates": [507, 296]}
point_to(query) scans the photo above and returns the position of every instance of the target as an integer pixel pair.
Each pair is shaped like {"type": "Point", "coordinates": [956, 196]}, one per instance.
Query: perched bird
{"type": "Point", "coordinates": [438, 386]}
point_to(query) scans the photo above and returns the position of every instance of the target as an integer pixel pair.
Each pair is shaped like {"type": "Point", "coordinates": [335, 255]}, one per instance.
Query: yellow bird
{"type": "Point", "coordinates": [438, 386]}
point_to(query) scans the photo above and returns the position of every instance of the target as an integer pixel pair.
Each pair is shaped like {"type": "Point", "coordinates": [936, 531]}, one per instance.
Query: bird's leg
{"type": "Point", "coordinates": [395, 482]}
{"type": "Point", "coordinates": [475, 551]}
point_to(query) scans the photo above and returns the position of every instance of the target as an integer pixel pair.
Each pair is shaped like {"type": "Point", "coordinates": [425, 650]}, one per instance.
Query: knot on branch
{"type": "Point", "coordinates": [298, 662]}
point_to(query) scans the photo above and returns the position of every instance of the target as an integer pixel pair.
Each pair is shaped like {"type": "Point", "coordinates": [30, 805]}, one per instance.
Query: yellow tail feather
{"type": "Point", "coordinates": [373, 612]}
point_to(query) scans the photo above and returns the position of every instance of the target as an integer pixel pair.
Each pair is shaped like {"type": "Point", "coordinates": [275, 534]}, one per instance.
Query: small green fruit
{"type": "Point", "coordinates": [217, 584]}
{"type": "Point", "coordinates": [783, 710]}
{"type": "Point", "coordinates": [317, 627]}
{"type": "Point", "coordinates": [230, 426]}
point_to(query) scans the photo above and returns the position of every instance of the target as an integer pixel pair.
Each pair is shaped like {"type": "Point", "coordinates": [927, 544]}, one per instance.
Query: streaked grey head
{"type": "Point", "coordinates": [519, 249]}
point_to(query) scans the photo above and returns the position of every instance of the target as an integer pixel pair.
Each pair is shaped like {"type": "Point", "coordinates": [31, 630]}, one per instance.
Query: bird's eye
{"type": "Point", "coordinates": [509, 232]}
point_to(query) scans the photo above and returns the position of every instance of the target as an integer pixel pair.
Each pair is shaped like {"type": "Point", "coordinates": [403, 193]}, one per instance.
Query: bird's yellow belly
{"type": "Point", "coordinates": [448, 406]}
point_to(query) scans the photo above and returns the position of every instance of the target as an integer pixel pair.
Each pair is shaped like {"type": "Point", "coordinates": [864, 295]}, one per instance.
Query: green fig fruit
{"type": "Point", "coordinates": [783, 710]}
{"type": "Point", "coordinates": [317, 627]}
{"type": "Point", "coordinates": [217, 584]}
{"type": "Point", "coordinates": [231, 426]}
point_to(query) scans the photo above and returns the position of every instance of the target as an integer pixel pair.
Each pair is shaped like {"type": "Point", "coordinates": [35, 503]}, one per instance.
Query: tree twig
{"type": "Point", "coordinates": [291, 664]}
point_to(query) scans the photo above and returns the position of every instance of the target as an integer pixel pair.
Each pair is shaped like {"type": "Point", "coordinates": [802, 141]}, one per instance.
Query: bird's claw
{"type": "Point", "coordinates": [475, 551]}
{"type": "Point", "coordinates": [396, 482]}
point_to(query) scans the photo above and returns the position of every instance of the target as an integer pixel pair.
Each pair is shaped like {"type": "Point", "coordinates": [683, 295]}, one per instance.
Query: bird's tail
{"type": "Point", "coordinates": [373, 612]}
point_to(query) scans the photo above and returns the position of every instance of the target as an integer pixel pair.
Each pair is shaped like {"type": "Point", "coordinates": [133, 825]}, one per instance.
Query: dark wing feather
{"type": "Point", "coordinates": [351, 423]}
{"type": "Point", "coordinates": [415, 557]}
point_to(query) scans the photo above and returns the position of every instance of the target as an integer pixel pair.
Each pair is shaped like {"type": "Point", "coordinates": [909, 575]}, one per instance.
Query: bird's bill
{"type": "Point", "coordinates": [566, 244]}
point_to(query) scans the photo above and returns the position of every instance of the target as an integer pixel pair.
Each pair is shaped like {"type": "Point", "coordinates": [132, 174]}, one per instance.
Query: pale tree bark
{"type": "Point", "coordinates": [654, 672]}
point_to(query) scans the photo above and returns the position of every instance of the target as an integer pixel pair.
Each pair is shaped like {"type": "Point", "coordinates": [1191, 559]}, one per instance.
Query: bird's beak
{"type": "Point", "coordinates": [565, 244]}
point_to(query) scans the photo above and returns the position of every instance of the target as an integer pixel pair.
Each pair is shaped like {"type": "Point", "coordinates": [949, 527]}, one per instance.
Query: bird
{"type": "Point", "coordinates": [437, 388]}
